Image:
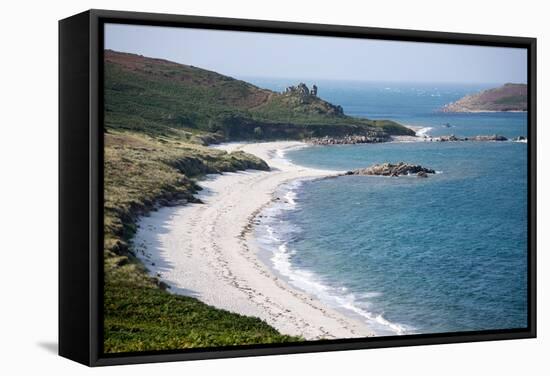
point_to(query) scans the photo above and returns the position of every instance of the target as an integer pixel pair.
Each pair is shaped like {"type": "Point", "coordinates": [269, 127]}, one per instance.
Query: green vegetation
{"type": "Point", "coordinates": [141, 319]}
{"type": "Point", "coordinates": [158, 117]}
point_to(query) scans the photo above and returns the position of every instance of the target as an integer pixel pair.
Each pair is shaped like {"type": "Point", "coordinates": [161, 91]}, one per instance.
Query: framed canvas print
{"type": "Point", "coordinates": [238, 187]}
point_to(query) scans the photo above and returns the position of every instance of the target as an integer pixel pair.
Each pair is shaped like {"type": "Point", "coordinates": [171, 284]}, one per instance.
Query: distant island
{"type": "Point", "coordinates": [509, 97]}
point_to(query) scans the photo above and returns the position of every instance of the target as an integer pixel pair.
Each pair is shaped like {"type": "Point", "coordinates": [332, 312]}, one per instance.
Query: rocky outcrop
{"type": "Point", "coordinates": [376, 137]}
{"type": "Point", "coordinates": [453, 138]}
{"type": "Point", "coordinates": [494, 137]}
{"type": "Point", "coordinates": [370, 138]}
{"type": "Point", "coordinates": [208, 138]}
{"type": "Point", "coordinates": [314, 90]}
{"type": "Point", "coordinates": [389, 169]}
{"type": "Point", "coordinates": [301, 95]}
{"type": "Point", "coordinates": [301, 89]}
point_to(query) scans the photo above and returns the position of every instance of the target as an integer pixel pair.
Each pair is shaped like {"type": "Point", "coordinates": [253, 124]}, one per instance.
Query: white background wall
{"type": "Point", "coordinates": [28, 185]}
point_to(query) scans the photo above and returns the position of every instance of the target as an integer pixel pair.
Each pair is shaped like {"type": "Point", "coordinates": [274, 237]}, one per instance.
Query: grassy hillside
{"type": "Point", "coordinates": [159, 97]}
{"type": "Point", "coordinates": [142, 173]}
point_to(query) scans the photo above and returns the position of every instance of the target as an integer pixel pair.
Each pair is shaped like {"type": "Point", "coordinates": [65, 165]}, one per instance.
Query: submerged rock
{"type": "Point", "coordinates": [422, 174]}
{"type": "Point", "coordinates": [389, 169]}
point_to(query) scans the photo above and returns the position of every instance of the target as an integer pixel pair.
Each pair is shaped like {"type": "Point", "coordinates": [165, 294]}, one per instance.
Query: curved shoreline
{"type": "Point", "coordinates": [207, 250]}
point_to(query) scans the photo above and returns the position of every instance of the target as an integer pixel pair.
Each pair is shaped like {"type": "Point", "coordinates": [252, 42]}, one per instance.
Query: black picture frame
{"type": "Point", "coordinates": [81, 185]}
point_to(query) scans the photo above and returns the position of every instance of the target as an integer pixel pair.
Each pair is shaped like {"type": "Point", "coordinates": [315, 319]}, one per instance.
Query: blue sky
{"type": "Point", "coordinates": [245, 54]}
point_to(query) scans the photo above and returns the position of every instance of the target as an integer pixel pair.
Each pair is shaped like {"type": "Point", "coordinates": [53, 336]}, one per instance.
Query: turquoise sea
{"type": "Point", "coordinates": [409, 255]}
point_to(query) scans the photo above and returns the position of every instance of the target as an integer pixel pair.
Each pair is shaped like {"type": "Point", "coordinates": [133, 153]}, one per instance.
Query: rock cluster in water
{"type": "Point", "coordinates": [376, 137]}
{"type": "Point", "coordinates": [370, 138]}
{"type": "Point", "coordinates": [494, 137]}
{"type": "Point", "coordinates": [390, 169]}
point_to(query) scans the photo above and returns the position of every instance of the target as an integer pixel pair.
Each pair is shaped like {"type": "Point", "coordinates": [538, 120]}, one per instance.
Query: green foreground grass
{"type": "Point", "coordinates": [143, 317]}
{"type": "Point", "coordinates": [142, 173]}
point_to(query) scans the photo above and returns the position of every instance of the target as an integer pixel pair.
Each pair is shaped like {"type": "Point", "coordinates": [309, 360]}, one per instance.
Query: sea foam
{"type": "Point", "coordinates": [424, 131]}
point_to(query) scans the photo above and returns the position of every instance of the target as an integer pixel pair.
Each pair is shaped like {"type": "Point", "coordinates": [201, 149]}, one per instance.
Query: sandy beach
{"type": "Point", "coordinates": [206, 250]}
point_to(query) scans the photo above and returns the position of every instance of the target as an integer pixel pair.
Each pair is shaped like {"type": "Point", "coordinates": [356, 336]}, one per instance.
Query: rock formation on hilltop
{"type": "Point", "coordinates": [300, 95]}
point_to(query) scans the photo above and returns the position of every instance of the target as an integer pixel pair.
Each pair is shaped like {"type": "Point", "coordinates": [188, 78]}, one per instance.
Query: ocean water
{"type": "Point", "coordinates": [409, 255]}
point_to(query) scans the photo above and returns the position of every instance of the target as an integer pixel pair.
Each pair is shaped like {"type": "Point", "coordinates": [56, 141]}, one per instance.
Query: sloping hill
{"type": "Point", "coordinates": [509, 97]}
{"type": "Point", "coordinates": [156, 96]}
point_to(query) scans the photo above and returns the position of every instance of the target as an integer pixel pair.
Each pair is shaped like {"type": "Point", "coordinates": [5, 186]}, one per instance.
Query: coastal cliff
{"type": "Point", "coordinates": [509, 97]}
